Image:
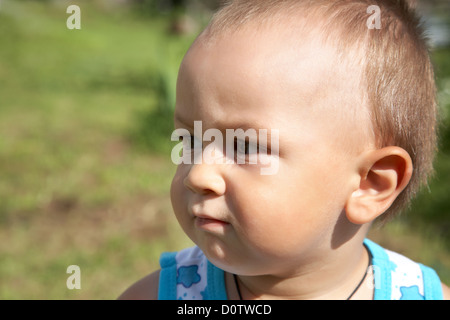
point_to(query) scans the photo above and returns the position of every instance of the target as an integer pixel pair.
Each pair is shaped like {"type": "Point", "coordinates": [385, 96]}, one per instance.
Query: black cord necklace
{"type": "Point", "coordinates": [348, 298]}
{"type": "Point", "coordinates": [237, 286]}
{"type": "Point", "coordinates": [365, 274]}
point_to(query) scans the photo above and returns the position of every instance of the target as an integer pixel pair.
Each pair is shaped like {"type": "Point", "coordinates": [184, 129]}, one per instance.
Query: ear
{"type": "Point", "coordinates": [383, 174]}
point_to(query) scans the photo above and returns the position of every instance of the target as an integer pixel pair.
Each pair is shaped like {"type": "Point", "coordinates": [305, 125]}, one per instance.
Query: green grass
{"type": "Point", "coordinates": [75, 189]}
{"type": "Point", "coordinates": [85, 173]}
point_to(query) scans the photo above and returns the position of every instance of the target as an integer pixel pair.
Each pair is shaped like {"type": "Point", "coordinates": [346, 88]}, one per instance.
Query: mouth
{"type": "Point", "coordinates": [210, 224]}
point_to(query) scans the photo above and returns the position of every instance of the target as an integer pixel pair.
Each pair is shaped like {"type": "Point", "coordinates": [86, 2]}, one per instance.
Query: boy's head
{"type": "Point", "coordinates": [355, 110]}
{"type": "Point", "coordinates": [381, 45]}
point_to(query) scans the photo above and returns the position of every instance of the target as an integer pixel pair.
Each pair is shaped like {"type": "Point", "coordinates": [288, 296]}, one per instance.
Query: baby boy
{"type": "Point", "coordinates": [348, 88]}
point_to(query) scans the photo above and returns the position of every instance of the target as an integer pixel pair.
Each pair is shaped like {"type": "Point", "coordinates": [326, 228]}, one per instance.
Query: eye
{"type": "Point", "coordinates": [246, 152]}
{"type": "Point", "coordinates": [242, 147]}
{"type": "Point", "coordinates": [192, 147]}
{"type": "Point", "coordinates": [191, 142]}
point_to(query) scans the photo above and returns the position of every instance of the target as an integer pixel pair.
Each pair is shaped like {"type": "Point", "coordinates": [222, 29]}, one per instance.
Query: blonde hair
{"type": "Point", "coordinates": [398, 78]}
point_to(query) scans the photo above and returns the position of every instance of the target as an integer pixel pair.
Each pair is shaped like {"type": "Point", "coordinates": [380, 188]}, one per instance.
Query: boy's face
{"type": "Point", "coordinates": [249, 223]}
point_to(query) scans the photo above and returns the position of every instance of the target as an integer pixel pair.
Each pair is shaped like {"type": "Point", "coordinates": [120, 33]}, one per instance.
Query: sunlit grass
{"type": "Point", "coordinates": [74, 189]}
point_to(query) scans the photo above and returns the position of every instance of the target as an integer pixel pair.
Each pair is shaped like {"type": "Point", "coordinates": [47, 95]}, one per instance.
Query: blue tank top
{"type": "Point", "coordinates": [188, 275]}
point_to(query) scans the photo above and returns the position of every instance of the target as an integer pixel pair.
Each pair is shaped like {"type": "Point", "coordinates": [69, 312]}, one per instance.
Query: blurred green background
{"type": "Point", "coordinates": [85, 124]}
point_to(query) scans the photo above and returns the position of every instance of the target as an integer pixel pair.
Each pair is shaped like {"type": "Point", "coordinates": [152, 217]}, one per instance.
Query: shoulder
{"type": "Point", "coordinates": [144, 289]}
{"type": "Point", "coordinates": [446, 292]}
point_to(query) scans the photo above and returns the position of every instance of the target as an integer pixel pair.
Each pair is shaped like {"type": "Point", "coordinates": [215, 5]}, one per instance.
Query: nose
{"type": "Point", "coordinates": [205, 178]}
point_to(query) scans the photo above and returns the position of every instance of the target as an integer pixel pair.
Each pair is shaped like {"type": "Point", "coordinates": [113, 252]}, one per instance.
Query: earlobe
{"type": "Point", "coordinates": [383, 174]}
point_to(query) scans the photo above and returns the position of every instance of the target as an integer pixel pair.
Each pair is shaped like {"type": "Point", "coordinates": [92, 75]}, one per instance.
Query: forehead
{"type": "Point", "coordinates": [250, 72]}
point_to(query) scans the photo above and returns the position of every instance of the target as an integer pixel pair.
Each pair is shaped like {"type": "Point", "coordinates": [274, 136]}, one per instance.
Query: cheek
{"type": "Point", "coordinates": [281, 234]}
{"type": "Point", "coordinates": [321, 182]}
{"type": "Point", "coordinates": [178, 196]}
{"type": "Point", "coordinates": [284, 213]}
{"type": "Point", "coordinates": [265, 217]}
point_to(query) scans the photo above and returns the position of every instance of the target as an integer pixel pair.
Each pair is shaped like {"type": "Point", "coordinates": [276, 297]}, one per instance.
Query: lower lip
{"type": "Point", "coordinates": [210, 224]}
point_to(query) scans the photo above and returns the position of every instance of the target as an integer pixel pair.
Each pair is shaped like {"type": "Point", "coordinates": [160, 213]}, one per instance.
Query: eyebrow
{"type": "Point", "coordinates": [245, 125]}
{"type": "Point", "coordinates": [233, 126]}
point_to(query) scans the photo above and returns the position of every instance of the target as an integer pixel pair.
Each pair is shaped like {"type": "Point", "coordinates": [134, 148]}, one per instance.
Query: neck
{"type": "Point", "coordinates": [333, 278]}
